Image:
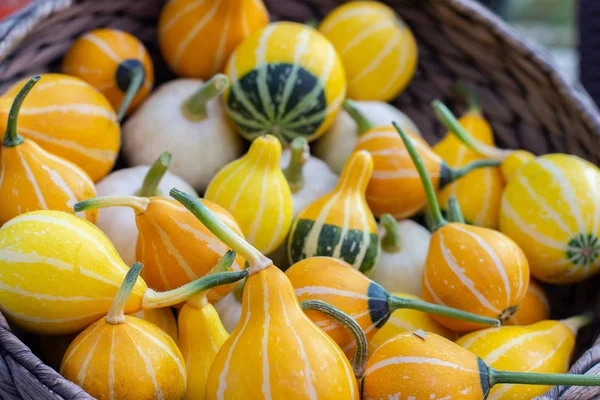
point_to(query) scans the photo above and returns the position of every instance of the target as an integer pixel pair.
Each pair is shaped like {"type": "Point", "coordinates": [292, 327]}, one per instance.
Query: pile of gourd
{"type": "Point", "coordinates": [349, 308]}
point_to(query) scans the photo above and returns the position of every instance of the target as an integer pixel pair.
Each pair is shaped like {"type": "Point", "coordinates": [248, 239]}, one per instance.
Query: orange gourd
{"type": "Point", "coordinates": [161, 317]}
{"type": "Point", "coordinates": [534, 307]}
{"type": "Point", "coordinates": [468, 267]}
{"type": "Point", "coordinates": [115, 63]}
{"type": "Point", "coordinates": [33, 179]}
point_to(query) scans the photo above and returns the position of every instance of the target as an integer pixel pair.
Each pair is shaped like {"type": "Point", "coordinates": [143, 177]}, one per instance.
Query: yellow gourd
{"type": "Point", "coordinates": [123, 357]}
{"type": "Point", "coordinates": [534, 307]}
{"type": "Point", "coordinates": [543, 347]}
{"type": "Point", "coordinates": [378, 50]}
{"type": "Point", "coordinates": [161, 317]}
{"type": "Point", "coordinates": [254, 190]}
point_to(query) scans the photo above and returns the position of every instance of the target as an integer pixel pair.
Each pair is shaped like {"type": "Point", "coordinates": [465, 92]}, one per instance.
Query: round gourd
{"type": "Point", "coordinates": [378, 50]}
{"type": "Point", "coordinates": [197, 37]}
{"type": "Point", "coordinates": [69, 118]}
{"type": "Point", "coordinates": [535, 307]}
{"type": "Point", "coordinates": [286, 80]}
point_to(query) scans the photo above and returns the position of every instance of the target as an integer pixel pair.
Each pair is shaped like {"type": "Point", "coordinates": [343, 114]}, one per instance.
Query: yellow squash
{"type": "Point", "coordinates": [377, 48]}
{"type": "Point", "coordinates": [161, 317]}
{"type": "Point", "coordinates": [534, 307]}
{"type": "Point", "coordinates": [254, 190]}
{"type": "Point", "coordinates": [69, 118]}
{"type": "Point", "coordinates": [32, 178]}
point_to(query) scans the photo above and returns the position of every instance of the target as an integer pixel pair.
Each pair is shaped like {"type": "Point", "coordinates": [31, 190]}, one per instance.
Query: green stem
{"type": "Point", "coordinates": [451, 123]}
{"type": "Point", "coordinates": [397, 302]}
{"type": "Point", "coordinates": [529, 378]}
{"type": "Point", "coordinates": [198, 300]}
{"type": "Point", "coordinates": [155, 174]}
{"type": "Point", "coordinates": [457, 173]}
{"type": "Point", "coordinates": [139, 204]}
{"type": "Point", "coordinates": [137, 78]}
{"type": "Point", "coordinates": [391, 242]}
{"type": "Point", "coordinates": [361, 121]}
{"type": "Point", "coordinates": [153, 299]}
{"type": "Point", "coordinates": [577, 322]}
{"type": "Point", "coordinates": [298, 157]}
{"type": "Point", "coordinates": [454, 211]}
{"type": "Point", "coordinates": [470, 95]}
{"type": "Point", "coordinates": [238, 291]}
{"type": "Point", "coordinates": [256, 260]}
{"type": "Point", "coordinates": [432, 204]}
{"type": "Point", "coordinates": [11, 136]}
{"type": "Point", "coordinates": [312, 22]}
{"type": "Point", "coordinates": [360, 357]}
{"type": "Point", "coordinates": [116, 314]}
{"type": "Point", "coordinates": [194, 108]}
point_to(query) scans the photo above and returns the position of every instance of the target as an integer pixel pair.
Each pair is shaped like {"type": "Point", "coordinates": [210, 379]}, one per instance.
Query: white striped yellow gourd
{"type": "Point", "coordinates": [535, 307]}
{"type": "Point", "coordinates": [550, 207]}
{"type": "Point", "coordinates": [185, 25]}
{"type": "Point", "coordinates": [161, 317]}
{"type": "Point", "coordinates": [378, 50]}
{"type": "Point", "coordinates": [543, 347]}
{"type": "Point", "coordinates": [32, 178]}
{"type": "Point", "coordinates": [69, 118]}
{"type": "Point", "coordinates": [254, 190]}
{"type": "Point", "coordinates": [286, 80]}
{"type": "Point", "coordinates": [60, 274]}
{"type": "Point", "coordinates": [340, 224]}
{"type": "Point", "coordinates": [124, 357]}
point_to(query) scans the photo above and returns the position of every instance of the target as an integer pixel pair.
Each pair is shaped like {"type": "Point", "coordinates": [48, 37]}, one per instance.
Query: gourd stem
{"type": "Point", "coordinates": [361, 121]}
{"type": "Point", "coordinates": [153, 299]}
{"type": "Point", "coordinates": [155, 174]}
{"type": "Point", "coordinates": [194, 108]}
{"type": "Point", "coordinates": [360, 357]}
{"type": "Point", "coordinates": [257, 261]}
{"type": "Point", "coordinates": [451, 123]}
{"type": "Point", "coordinates": [116, 314]}
{"type": "Point", "coordinates": [529, 378]}
{"type": "Point", "coordinates": [432, 204]}
{"type": "Point", "coordinates": [397, 302]}
{"type": "Point", "coordinates": [312, 22]}
{"type": "Point", "coordinates": [11, 136]}
{"type": "Point", "coordinates": [298, 157]}
{"type": "Point", "coordinates": [577, 322]}
{"type": "Point", "coordinates": [470, 95]}
{"type": "Point", "coordinates": [198, 300]}
{"type": "Point", "coordinates": [457, 173]}
{"type": "Point", "coordinates": [391, 242]}
{"type": "Point", "coordinates": [137, 78]}
{"type": "Point", "coordinates": [238, 291]}
{"type": "Point", "coordinates": [139, 204]}
{"type": "Point", "coordinates": [454, 211]}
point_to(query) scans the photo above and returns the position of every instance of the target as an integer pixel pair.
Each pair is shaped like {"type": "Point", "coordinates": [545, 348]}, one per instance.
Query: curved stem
{"type": "Point", "coordinates": [361, 121]}
{"type": "Point", "coordinates": [470, 95]}
{"type": "Point", "coordinates": [529, 378]}
{"type": "Point", "coordinates": [198, 300]}
{"type": "Point", "coordinates": [11, 136]}
{"type": "Point", "coordinates": [153, 299]}
{"type": "Point", "coordinates": [257, 261]}
{"type": "Point", "coordinates": [137, 78]}
{"type": "Point", "coordinates": [391, 242]}
{"type": "Point", "coordinates": [155, 174]}
{"type": "Point", "coordinates": [454, 211]}
{"type": "Point", "coordinates": [432, 204]}
{"type": "Point", "coordinates": [397, 302]}
{"type": "Point", "coordinates": [116, 314]}
{"type": "Point", "coordinates": [139, 204]}
{"type": "Point", "coordinates": [194, 108]}
{"type": "Point", "coordinates": [298, 157]}
{"type": "Point", "coordinates": [577, 322]}
{"type": "Point", "coordinates": [457, 173]}
{"type": "Point", "coordinates": [360, 357]}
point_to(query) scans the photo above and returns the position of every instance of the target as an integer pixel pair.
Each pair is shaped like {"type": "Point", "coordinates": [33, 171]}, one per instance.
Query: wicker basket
{"type": "Point", "coordinates": [529, 104]}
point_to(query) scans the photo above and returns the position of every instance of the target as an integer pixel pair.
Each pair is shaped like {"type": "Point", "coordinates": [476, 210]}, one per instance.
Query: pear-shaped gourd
{"type": "Point", "coordinates": [340, 223]}
{"type": "Point", "coordinates": [32, 178]}
{"type": "Point", "coordinates": [61, 273]}
{"type": "Point", "coordinates": [124, 357]}
{"type": "Point", "coordinates": [471, 268]}
{"type": "Point", "coordinates": [550, 207]}
{"type": "Point", "coordinates": [545, 347]}
{"type": "Point", "coordinates": [161, 317]}
{"type": "Point", "coordinates": [254, 190]}
{"type": "Point", "coordinates": [535, 307]}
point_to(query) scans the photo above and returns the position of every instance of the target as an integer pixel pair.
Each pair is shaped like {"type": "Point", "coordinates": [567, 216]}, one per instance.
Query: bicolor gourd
{"type": "Point", "coordinates": [175, 247]}
{"type": "Point", "coordinates": [425, 366]}
{"type": "Point", "coordinates": [377, 48]}
{"type": "Point", "coordinates": [114, 62]}
{"type": "Point", "coordinates": [124, 357]}
{"type": "Point", "coordinates": [286, 80]}
{"type": "Point", "coordinates": [186, 118]}
{"type": "Point", "coordinates": [276, 349]}
{"type": "Point", "coordinates": [550, 207]}
{"type": "Point", "coordinates": [31, 178]}
{"type": "Point", "coordinates": [69, 118]}
{"type": "Point", "coordinates": [60, 274]}
{"type": "Point", "coordinates": [184, 26]}
{"type": "Point", "coordinates": [254, 190]}
{"type": "Point", "coordinates": [340, 223]}
{"type": "Point", "coordinates": [370, 305]}
{"type": "Point", "coordinates": [543, 347]}
{"type": "Point", "coordinates": [468, 267]}
{"type": "Point", "coordinates": [535, 307]}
